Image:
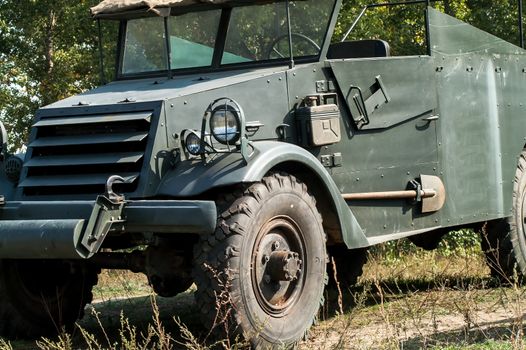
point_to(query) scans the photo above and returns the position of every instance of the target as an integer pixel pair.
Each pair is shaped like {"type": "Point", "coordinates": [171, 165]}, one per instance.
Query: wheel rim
{"type": "Point", "coordinates": [278, 262]}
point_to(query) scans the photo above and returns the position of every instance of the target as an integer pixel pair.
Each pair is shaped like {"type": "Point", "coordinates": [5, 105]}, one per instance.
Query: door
{"type": "Point", "coordinates": [391, 137]}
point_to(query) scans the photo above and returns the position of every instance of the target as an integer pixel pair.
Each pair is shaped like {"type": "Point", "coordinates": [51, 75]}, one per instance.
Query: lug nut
{"type": "Point", "coordinates": [275, 245]}
{"type": "Point", "coordinates": [266, 278]}
{"type": "Point", "coordinates": [266, 258]}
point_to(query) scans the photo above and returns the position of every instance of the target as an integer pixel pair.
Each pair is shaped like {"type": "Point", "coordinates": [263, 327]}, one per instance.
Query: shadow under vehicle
{"type": "Point", "coordinates": [238, 149]}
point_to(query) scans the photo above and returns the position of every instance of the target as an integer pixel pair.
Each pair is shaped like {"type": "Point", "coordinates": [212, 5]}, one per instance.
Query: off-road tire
{"type": "Point", "coordinates": [228, 297]}
{"type": "Point", "coordinates": [349, 266]}
{"type": "Point", "coordinates": [41, 298]}
{"type": "Point", "coordinates": [504, 240]}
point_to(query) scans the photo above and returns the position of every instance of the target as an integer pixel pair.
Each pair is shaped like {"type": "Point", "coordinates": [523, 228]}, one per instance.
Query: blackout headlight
{"type": "Point", "coordinates": [193, 144]}
{"type": "Point", "coordinates": [225, 124]}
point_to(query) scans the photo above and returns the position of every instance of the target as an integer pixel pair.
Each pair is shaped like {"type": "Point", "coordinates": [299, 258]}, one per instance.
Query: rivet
{"type": "Point", "coordinates": [172, 105]}
{"type": "Point", "coordinates": [268, 81]}
{"type": "Point", "coordinates": [357, 179]}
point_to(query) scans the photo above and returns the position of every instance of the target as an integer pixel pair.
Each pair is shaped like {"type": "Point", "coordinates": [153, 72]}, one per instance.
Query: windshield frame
{"type": "Point", "coordinates": [219, 47]}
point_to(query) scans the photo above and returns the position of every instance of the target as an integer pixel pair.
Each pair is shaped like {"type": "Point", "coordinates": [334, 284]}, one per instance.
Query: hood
{"type": "Point", "coordinates": [160, 89]}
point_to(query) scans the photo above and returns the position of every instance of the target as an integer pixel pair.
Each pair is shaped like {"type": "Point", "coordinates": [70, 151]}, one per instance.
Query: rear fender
{"type": "Point", "coordinates": [192, 178]}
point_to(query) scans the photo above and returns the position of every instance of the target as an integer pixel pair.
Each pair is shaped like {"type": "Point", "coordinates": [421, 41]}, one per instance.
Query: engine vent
{"type": "Point", "coordinates": [76, 155]}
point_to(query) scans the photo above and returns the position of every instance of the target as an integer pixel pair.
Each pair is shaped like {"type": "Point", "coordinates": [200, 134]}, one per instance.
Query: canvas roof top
{"type": "Point", "coordinates": [159, 7]}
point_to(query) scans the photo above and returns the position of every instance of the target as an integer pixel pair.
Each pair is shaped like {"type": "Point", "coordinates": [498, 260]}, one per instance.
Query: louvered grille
{"type": "Point", "coordinates": [76, 155]}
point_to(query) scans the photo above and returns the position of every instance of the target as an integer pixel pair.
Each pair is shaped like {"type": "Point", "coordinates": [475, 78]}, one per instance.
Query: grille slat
{"type": "Point", "coordinates": [86, 159]}
{"type": "Point", "coordinates": [95, 119]}
{"type": "Point", "coordinates": [89, 139]}
{"type": "Point", "coordinates": [77, 154]}
{"type": "Point", "coordinates": [74, 180]}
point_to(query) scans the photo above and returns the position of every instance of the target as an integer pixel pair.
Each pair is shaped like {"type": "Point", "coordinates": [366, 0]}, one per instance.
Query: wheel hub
{"type": "Point", "coordinates": [283, 265]}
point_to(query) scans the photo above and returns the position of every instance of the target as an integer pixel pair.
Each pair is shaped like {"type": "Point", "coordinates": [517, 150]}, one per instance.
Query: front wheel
{"type": "Point", "coordinates": [41, 298]}
{"type": "Point", "coordinates": [263, 271]}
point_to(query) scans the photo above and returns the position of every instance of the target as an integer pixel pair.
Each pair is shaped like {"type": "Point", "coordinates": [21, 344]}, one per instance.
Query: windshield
{"type": "Point", "coordinates": [253, 34]}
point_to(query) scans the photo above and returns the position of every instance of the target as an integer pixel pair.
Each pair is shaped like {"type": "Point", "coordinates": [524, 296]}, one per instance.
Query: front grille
{"type": "Point", "coordinates": [76, 155]}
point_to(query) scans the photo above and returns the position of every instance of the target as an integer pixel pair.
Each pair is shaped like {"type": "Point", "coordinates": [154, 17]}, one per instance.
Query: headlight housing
{"type": "Point", "coordinates": [225, 124]}
{"type": "Point", "coordinates": [193, 144]}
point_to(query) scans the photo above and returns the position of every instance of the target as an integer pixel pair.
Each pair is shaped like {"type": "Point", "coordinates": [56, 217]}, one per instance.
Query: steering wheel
{"type": "Point", "coordinates": [274, 49]}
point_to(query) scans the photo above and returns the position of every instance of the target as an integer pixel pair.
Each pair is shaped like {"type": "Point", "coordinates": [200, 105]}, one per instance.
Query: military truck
{"type": "Point", "coordinates": [238, 148]}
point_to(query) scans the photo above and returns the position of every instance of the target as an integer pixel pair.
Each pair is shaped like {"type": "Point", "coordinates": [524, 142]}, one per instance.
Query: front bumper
{"type": "Point", "coordinates": [60, 229]}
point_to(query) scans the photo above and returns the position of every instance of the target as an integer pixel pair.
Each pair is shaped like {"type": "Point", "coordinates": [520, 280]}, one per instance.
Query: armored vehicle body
{"type": "Point", "coordinates": [238, 149]}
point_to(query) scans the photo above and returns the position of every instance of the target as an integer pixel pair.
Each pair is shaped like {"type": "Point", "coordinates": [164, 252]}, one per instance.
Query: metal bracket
{"type": "Point", "coordinates": [363, 116]}
{"type": "Point", "coordinates": [417, 187]}
{"type": "Point", "coordinates": [105, 213]}
{"type": "Point", "coordinates": [332, 160]}
{"type": "Point", "coordinates": [367, 106]}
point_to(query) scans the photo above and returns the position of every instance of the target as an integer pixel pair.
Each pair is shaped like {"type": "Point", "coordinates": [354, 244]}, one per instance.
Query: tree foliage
{"type": "Point", "coordinates": [48, 49]}
{"type": "Point", "coordinates": [404, 26]}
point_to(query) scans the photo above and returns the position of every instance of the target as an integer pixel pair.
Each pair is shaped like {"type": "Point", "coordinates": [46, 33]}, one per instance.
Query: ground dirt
{"type": "Point", "coordinates": [419, 301]}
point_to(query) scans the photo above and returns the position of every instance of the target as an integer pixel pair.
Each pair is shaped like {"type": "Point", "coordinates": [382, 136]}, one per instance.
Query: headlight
{"type": "Point", "coordinates": [225, 124]}
{"type": "Point", "coordinates": [193, 144]}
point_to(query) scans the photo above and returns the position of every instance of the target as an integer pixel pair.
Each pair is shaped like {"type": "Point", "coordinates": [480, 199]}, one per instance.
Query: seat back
{"type": "Point", "coordinates": [359, 49]}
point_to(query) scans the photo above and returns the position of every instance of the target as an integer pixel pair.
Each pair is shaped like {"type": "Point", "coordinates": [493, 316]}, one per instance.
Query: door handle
{"type": "Point", "coordinates": [431, 118]}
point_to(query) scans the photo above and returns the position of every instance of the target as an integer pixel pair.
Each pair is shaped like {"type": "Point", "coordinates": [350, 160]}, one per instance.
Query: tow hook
{"type": "Point", "coordinates": [110, 194]}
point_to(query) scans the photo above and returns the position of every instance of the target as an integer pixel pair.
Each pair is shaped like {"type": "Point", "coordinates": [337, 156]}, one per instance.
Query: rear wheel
{"type": "Point", "coordinates": [40, 298]}
{"type": "Point", "coordinates": [504, 240]}
{"type": "Point", "coordinates": [262, 273]}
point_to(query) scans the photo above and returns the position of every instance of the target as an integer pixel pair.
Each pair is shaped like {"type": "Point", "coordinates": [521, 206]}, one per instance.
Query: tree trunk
{"type": "Point", "coordinates": [52, 22]}
{"type": "Point", "coordinates": [46, 85]}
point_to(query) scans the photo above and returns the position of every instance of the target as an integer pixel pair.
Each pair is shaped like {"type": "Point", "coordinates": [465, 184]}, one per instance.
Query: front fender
{"type": "Point", "coordinates": [192, 178]}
